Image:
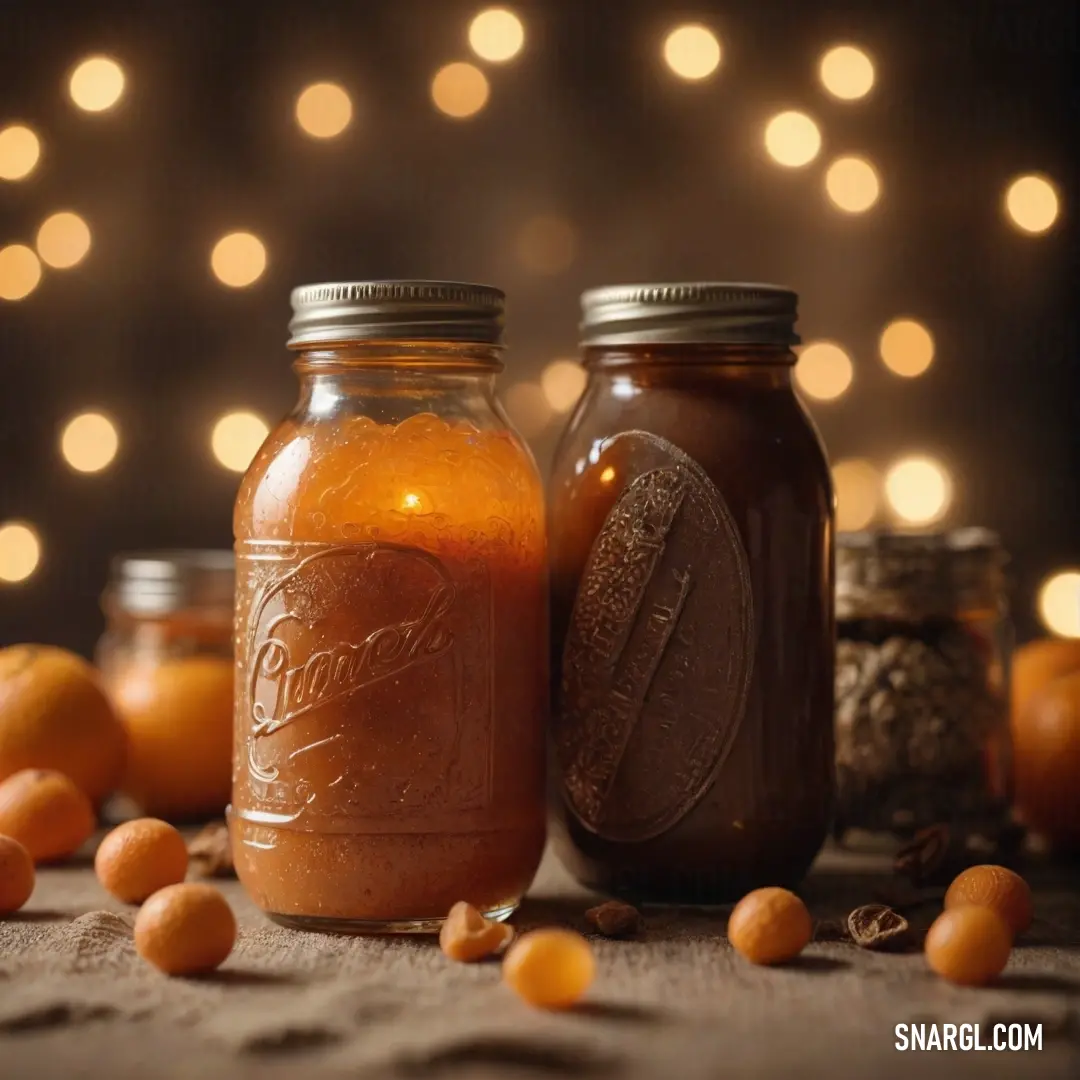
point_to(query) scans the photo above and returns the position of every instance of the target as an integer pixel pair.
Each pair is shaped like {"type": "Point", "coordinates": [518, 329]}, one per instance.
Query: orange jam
{"type": "Point", "coordinates": [391, 674]}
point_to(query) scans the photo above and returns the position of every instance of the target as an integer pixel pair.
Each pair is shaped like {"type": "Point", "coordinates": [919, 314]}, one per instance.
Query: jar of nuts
{"type": "Point", "coordinates": [922, 683]}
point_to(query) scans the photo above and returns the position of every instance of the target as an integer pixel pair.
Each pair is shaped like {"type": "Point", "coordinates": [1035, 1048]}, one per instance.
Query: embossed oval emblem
{"type": "Point", "coordinates": [658, 656]}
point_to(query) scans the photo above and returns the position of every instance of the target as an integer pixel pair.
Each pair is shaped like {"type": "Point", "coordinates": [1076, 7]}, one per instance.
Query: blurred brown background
{"type": "Point", "coordinates": [602, 150]}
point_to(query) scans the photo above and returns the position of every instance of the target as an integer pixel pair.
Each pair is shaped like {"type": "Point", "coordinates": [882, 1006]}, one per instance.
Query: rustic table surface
{"type": "Point", "coordinates": [678, 1004]}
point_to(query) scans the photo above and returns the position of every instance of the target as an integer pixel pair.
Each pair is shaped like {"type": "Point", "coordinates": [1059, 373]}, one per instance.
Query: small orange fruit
{"type": "Point", "coordinates": [1037, 663]}
{"type": "Point", "coordinates": [46, 813]}
{"type": "Point", "coordinates": [995, 887]}
{"type": "Point", "coordinates": [185, 929]}
{"type": "Point", "coordinates": [54, 714]}
{"type": "Point", "coordinates": [16, 875]}
{"type": "Point", "coordinates": [179, 721]}
{"type": "Point", "coordinates": [770, 926]}
{"type": "Point", "coordinates": [140, 857]}
{"type": "Point", "coordinates": [1046, 756]}
{"type": "Point", "coordinates": [968, 945]}
{"type": "Point", "coordinates": [550, 968]}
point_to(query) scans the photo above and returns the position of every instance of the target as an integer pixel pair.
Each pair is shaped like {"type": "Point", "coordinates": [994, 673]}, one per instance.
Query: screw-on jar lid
{"type": "Point", "coordinates": [337, 312]}
{"type": "Point", "coordinates": [689, 313]}
{"type": "Point", "coordinates": [158, 583]}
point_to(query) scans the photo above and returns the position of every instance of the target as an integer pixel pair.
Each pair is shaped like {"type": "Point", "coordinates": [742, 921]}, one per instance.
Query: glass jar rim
{"type": "Point", "coordinates": [160, 583]}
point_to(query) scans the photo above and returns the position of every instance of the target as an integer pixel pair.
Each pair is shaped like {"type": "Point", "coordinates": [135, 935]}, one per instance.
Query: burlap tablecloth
{"type": "Point", "coordinates": [76, 1001]}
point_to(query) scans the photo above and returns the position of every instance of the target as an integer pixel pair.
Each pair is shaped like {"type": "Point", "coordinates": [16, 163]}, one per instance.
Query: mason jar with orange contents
{"type": "Point", "coordinates": [391, 622]}
{"type": "Point", "coordinates": [167, 661]}
{"type": "Point", "coordinates": [692, 600]}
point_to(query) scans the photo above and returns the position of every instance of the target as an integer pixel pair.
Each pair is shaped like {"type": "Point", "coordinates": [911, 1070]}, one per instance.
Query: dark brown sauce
{"type": "Point", "coordinates": [693, 643]}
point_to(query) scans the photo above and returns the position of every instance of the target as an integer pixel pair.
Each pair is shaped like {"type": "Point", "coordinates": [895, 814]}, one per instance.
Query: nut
{"type": "Point", "coordinates": [877, 926]}
{"type": "Point", "coordinates": [210, 851]}
{"type": "Point", "coordinates": [466, 935]}
{"type": "Point", "coordinates": [614, 919]}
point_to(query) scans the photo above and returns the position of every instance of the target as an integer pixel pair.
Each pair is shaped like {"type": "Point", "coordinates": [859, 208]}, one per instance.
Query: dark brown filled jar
{"type": "Point", "coordinates": [692, 577]}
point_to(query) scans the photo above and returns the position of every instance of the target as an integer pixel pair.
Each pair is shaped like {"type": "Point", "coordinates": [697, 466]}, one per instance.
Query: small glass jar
{"type": "Point", "coordinates": [692, 592]}
{"type": "Point", "coordinates": [391, 622]}
{"type": "Point", "coordinates": [167, 660]}
{"type": "Point", "coordinates": [922, 723]}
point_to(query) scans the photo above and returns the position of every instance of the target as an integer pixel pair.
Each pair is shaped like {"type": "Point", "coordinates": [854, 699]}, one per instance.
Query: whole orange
{"type": "Point", "coordinates": [46, 812]}
{"type": "Point", "coordinates": [54, 714]}
{"type": "Point", "coordinates": [140, 857]}
{"type": "Point", "coordinates": [16, 875]}
{"type": "Point", "coordinates": [185, 929]}
{"type": "Point", "coordinates": [1040, 662]}
{"type": "Point", "coordinates": [770, 926]}
{"type": "Point", "coordinates": [968, 945]}
{"type": "Point", "coordinates": [179, 719]}
{"type": "Point", "coordinates": [995, 887]}
{"type": "Point", "coordinates": [550, 968]}
{"type": "Point", "coordinates": [1046, 754]}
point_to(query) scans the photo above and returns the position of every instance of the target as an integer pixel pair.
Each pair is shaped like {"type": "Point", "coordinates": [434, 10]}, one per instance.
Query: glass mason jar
{"type": "Point", "coordinates": [167, 661]}
{"type": "Point", "coordinates": [692, 600]}
{"type": "Point", "coordinates": [391, 622]}
{"type": "Point", "coordinates": [922, 719]}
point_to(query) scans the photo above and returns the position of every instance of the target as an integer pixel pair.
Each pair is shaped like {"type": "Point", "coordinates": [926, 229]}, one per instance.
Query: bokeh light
{"type": "Point", "coordinates": [919, 490]}
{"type": "Point", "coordinates": [236, 439]}
{"type": "Point", "coordinates": [528, 408]}
{"type": "Point", "coordinates": [692, 52]}
{"type": "Point", "coordinates": [496, 35]}
{"type": "Point", "coordinates": [824, 370]}
{"type": "Point", "coordinates": [89, 442]}
{"type": "Point", "coordinates": [20, 272]}
{"type": "Point", "coordinates": [63, 240]}
{"type": "Point", "coordinates": [1059, 603]}
{"type": "Point", "coordinates": [323, 110]}
{"type": "Point", "coordinates": [1031, 203]}
{"type": "Point", "coordinates": [562, 382]}
{"type": "Point", "coordinates": [792, 139]}
{"type": "Point", "coordinates": [459, 90]}
{"type": "Point", "coordinates": [858, 493]}
{"type": "Point", "coordinates": [906, 347]}
{"type": "Point", "coordinates": [96, 84]}
{"type": "Point", "coordinates": [852, 184]}
{"type": "Point", "coordinates": [238, 259]}
{"type": "Point", "coordinates": [847, 72]}
{"type": "Point", "coordinates": [20, 150]}
{"type": "Point", "coordinates": [20, 551]}
{"type": "Point", "coordinates": [546, 244]}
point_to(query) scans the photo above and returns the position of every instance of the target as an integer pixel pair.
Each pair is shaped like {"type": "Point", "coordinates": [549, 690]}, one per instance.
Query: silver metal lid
{"type": "Point", "coordinates": [396, 311]}
{"type": "Point", "coordinates": [162, 582]}
{"type": "Point", "coordinates": [689, 313]}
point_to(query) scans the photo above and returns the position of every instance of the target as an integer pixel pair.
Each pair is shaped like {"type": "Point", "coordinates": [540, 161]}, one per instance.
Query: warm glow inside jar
{"type": "Point", "coordinates": [391, 622]}
{"type": "Point", "coordinates": [167, 660]}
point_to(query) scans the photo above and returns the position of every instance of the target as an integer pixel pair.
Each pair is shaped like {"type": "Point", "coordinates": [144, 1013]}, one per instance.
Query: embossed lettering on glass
{"type": "Point", "coordinates": [692, 637]}
{"type": "Point", "coordinates": [391, 636]}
